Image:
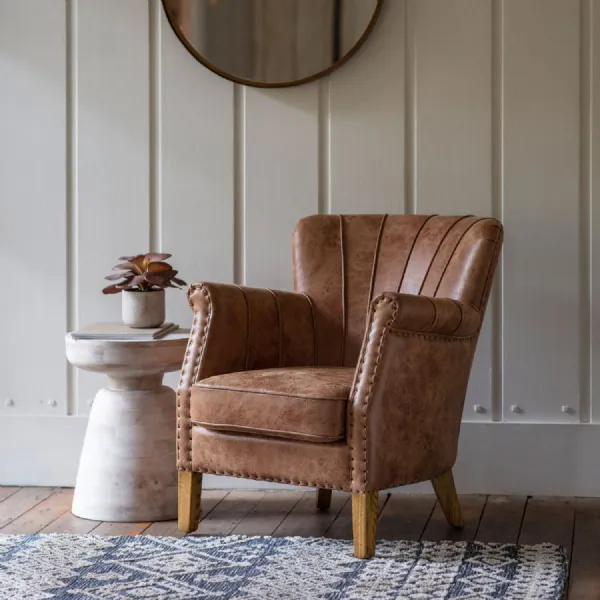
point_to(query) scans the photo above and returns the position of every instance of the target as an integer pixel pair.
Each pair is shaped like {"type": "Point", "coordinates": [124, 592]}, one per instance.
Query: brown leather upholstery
{"type": "Point", "coordinates": [342, 263]}
{"type": "Point", "coordinates": [296, 403]}
{"type": "Point", "coordinates": [271, 459]}
{"type": "Point", "coordinates": [396, 300]}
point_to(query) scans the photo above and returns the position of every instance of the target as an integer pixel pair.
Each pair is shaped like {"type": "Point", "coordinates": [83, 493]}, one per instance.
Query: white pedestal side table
{"type": "Point", "coordinates": [127, 470]}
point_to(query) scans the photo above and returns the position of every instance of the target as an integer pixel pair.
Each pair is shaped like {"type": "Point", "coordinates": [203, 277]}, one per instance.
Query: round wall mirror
{"type": "Point", "coordinates": [272, 43]}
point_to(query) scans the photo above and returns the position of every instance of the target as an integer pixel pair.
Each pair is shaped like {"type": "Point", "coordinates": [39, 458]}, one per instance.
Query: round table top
{"type": "Point", "coordinates": [140, 355]}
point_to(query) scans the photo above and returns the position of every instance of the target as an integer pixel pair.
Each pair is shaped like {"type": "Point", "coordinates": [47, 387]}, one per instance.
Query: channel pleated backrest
{"type": "Point", "coordinates": [342, 262]}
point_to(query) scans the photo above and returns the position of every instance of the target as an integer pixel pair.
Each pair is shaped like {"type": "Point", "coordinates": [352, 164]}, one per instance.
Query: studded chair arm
{"type": "Point", "coordinates": [240, 329]}
{"type": "Point", "coordinates": [406, 403]}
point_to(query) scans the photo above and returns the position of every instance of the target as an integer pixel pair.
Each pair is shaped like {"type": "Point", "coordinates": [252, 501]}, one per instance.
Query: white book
{"type": "Point", "coordinates": [118, 331]}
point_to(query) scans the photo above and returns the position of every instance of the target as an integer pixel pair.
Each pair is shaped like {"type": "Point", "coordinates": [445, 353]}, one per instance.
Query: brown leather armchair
{"type": "Point", "coordinates": [354, 382]}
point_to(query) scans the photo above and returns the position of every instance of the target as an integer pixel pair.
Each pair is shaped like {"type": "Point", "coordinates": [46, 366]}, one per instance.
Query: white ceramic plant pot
{"type": "Point", "coordinates": [143, 309]}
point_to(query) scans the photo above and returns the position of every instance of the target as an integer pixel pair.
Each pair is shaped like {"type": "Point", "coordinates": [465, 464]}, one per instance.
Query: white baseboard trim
{"type": "Point", "coordinates": [494, 458]}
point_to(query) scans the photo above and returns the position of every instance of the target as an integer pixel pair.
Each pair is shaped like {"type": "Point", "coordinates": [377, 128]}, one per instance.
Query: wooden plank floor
{"type": "Point", "coordinates": [573, 523]}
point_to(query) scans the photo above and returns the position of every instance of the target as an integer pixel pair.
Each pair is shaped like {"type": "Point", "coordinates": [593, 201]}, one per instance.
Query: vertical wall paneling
{"type": "Point", "coordinates": [453, 161]}
{"type": "Point", "coordinates": [114, 140]}
{"type": "Point", "coordinates": [595, 210]}
{"type": "Point", "coordinates": [155, 85]}
{"type": "Point", "coordinates": [585, 200]}
{"type": "Point", "coordinates": [324, 157]}
{"type": "Point", "coordinates": [239, 184]}
{"type": "Point", "coordinates": [113, 149]}
{"type": "Point", "coordinates": [197, 180]}
{"type": "Point", "coordinates": [33, 207]}
{"type": "Point", "coordinates": [410, 108]}
{"type": "Point", "coordinates": [496, 309]}
{"type": "Point", "coordinates": [71, 189]}
{"type": "Point", "coordinates": [541, 215]}
{"type": "Point", "coordinates": [367, 122]}
{"type": "Point", "coordinates": [282, 143]}
{"type": "Point", "coordinates": [453, 121]}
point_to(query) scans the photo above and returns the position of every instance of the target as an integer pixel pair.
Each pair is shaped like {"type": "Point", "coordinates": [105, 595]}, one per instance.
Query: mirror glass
{"type": "Point", "coordinates": [272, 43]}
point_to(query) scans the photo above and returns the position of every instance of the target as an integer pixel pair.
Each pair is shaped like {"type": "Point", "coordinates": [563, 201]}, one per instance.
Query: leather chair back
{"type": "Point", "coordinates": [343, 262]}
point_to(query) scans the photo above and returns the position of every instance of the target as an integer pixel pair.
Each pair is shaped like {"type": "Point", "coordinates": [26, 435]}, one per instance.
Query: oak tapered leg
{"type": "Point", "coordinates": [323, 499]}
{"type": "Point", "coordinates": [364, 524]}
{"type": "Point", "coordinates": [448, 499]}
{"type": "Point", "coordinates": [189, 490]}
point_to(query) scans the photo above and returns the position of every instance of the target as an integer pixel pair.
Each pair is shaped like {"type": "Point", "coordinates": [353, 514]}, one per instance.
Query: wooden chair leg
{"type": "Point", "coordinates": [448, 499]}
{"type": "Point", "coordinates": [323, 499]}
{"type": "Point", "coordinates": [189, 491]}
{"type": "Point", "coordinates": [364, 524]}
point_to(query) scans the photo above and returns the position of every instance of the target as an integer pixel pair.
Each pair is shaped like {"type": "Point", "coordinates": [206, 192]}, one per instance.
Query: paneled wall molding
{"type": "Point", "coordinates": [72, 266]}
{"type": "Point", "coordinates": [494, 458]}
{"type": "Point", "coordinates": [114, 140]}
{"type": "Point", "coordinates": [496, 309]}
{"type": "Point", "coordinates": [586, 119]}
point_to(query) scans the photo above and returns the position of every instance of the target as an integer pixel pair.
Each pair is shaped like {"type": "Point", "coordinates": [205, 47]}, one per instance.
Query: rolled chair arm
{"type": "Point", "coordinates": [437, 316]}
{"type": "Point", "coordinates": [406, 402]}
{"type": "Point", "coordinates": [239, 329]}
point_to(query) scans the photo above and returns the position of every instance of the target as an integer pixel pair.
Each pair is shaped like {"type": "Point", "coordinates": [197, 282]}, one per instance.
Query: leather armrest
{"type": "Point", "coordinates": [407, 399]}
{"type": "Point", "coordinates": [437, 316]}
{"type": "Point", "coordinates": [239, 329]}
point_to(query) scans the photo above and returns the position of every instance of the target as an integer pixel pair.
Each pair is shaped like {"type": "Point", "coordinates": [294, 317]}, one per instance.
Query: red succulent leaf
{"type": "Point", "coordinates": [140, 262]}
{"type": "Point", "coordinates": [158, 267]}
{"type": "Point", "coordinates": [143, 272]}
{"type": "Point", "coordinates": [128, 266]}
{"type": "Point", "coordinates": [156, 279]}
{"type": "Point", "coordinates": [116, 276]}
{"type": "Point", "coordinates": [137, 280]}
{"type": "Point", "coordinates": [111, 289]}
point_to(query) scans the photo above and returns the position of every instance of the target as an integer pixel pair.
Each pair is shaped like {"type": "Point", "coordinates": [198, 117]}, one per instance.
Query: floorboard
{"type": "Point", "coordinates": [20, 502]}
{"type": "Point", "coordinates": [268, 514]}
{"type": "Point", "coordinates": [119, 529]}
{"type": "Point", "coordinates": [438, 529]}
{"type": "Point", "coordinates": [501, 519]}
{"type": "Point", "coordinates": [210, 499]}
{"type": "Point", "coordinates": [69, 523]}
{"type": "Point", "coordinates": [305, 520]}
{"type": "Point", "coordinates": [6, 491]}
{"type": "Point", "coordinates": [45, 512]}
{"type": "Point", "coordinates": [584, 581]}
{"type": "Point", "coordinates": [549, 520]}
{"type": "Point", "coordinates": [230, 512]}
{"type": "Point", "coordinates": [341, 528]}
{"type": "Point", "coordinates": [405, 517]}
{"type": "Point", "coordinates": [572, 523]}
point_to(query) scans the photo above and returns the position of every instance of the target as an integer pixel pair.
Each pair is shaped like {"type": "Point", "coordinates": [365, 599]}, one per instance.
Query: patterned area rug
{"type": "Point", "coordinates": [77, 567]}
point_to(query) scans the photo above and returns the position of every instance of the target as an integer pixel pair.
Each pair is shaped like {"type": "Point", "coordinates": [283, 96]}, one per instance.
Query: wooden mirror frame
{"type": "Point", "coordinates": [249, 82]}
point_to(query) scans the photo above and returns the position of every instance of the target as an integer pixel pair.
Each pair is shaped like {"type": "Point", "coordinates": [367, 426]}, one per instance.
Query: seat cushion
{"type": "Point", "coordinates": [302, 403]}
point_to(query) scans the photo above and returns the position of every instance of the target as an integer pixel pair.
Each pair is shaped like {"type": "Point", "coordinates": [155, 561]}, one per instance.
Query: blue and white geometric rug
{"type": "Point", "coordinates": [76, 567]}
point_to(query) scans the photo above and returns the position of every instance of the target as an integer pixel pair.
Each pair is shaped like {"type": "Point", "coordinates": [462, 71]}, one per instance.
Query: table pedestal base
{"type": "Point", "coordinates": [127, 470]}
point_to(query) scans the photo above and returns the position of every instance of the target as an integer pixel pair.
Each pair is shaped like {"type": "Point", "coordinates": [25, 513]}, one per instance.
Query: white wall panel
{"type": "Point", "coordinates": [112, 155]}
{"type": "Point", "coordinates": [196, 200]}
{"type": "Point", "coordinates": [33, 229]}
{"type": "Point", "coordinates": [366, 121]}
{"type": "Point", "coordinates": [541, 214]}
{"type": "Point", "coordinates": [281, 183]}
{"type": "Point", "coordinates": [593, 190]}
{"type": "Point", "coordinates": [453, 134]}
{"type": "Point", "coordinates": [113, 139]}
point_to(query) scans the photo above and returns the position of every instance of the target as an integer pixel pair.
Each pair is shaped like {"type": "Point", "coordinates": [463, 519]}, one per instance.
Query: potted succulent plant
{"type": "Point", "coordinates": [144, 278]}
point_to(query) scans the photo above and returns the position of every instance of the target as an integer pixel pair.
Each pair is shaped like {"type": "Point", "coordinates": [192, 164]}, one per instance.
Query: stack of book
{"type": "Point", "coordinates": [118, 331]}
